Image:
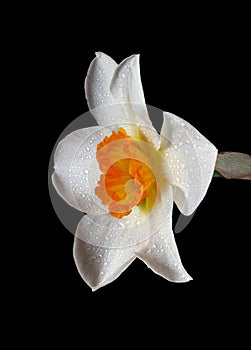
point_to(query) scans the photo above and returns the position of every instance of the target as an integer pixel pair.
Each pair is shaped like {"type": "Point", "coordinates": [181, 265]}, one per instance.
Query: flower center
{"type": "Point", "coordinates": [126, 181]}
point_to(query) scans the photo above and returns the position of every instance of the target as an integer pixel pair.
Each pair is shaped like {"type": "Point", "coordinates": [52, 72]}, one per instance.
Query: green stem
{"type": "Point", "coordinates": [233, 165]}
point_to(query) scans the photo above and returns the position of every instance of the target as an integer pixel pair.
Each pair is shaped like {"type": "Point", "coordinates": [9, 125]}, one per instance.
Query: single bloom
{"type": "Point", "coordinates": [125, 177]}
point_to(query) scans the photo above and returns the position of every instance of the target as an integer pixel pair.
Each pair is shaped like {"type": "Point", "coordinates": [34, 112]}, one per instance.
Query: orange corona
{"type": "Point", "coordinates": [125, 181]}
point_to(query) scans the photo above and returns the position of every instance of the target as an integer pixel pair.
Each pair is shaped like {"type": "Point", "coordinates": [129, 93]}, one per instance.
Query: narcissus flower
{"type": "Point", "coordinates": [125, 177]}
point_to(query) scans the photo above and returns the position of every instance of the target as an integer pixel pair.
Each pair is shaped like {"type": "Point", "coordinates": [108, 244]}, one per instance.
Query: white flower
{"type": "Point", "coordinates": [140, 173]}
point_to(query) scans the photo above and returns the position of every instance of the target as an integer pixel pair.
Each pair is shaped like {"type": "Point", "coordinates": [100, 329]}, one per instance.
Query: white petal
{"type": "Point", "coordinates": [97, 83]}
{"type": "Point", "coordinates": [109, 232]}
{"type": "Point", "coordinates": [114, 93]}
{"type": "Point", "coordinates": [103, 261]}
{"type": "Point", "coordinates": [160, 252]}
{"type": "Point", "coordinates": [126, 87]}
{"type": "Point", "coordinates": [190, 160]}
{"type": "Point", "coordinates": [76, 169]}
{"type": "Point", "coordinates": [100, 266]}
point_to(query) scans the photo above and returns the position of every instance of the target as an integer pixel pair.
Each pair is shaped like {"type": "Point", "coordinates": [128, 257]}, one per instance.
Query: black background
{"type": "Point", "coordinates": [201, 72]}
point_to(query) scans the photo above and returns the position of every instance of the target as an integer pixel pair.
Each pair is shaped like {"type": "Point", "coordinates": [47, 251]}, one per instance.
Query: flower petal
{"type": "Point", "coordinates": [114, 92]}
{"type": "Point", "coordinates": [74, 161]}
{"type": "Point", "coordinates": [160, 253]}
{"type": "Point", "coordinates": [100, 266]}
{"type": "Point", "coordinates": [190, 161]}
{"type": "Point", "coordinates": [126, 88]}
{"type": "Point", "coordinates": [97, 84]}
{"type": "Point", "coordinates": [101, 263]}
